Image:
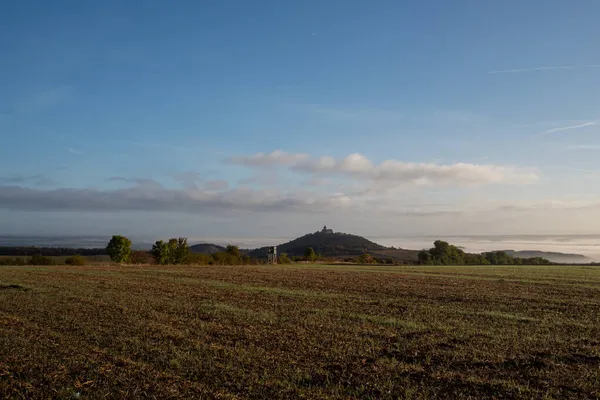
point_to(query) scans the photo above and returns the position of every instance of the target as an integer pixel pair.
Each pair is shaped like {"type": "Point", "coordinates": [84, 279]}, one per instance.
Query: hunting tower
{"type": "Point", "coordinates": [272, 255]}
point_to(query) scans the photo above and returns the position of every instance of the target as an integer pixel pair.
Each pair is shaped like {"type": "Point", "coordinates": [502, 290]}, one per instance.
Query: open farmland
{"type": "Point", "coordinates": [299, 331]}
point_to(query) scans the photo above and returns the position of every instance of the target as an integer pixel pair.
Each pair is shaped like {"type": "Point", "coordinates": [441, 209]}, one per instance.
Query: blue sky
{"type": "Point", "coordinates": [270, 118]}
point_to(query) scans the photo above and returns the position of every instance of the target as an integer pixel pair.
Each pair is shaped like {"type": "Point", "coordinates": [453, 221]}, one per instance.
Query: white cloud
{"type": "Point", "coordinates": [396, 172]}
{"type": "Point", "coordinates": [355, 163]}
{"type": "Point", "coordinates": [359, 167]}
{"type": "Point", "coordinates": [277, 157]}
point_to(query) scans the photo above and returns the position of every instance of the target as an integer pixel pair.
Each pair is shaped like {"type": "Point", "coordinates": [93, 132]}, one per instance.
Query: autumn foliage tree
{"type": "Point", "coordinates": [365, 258]}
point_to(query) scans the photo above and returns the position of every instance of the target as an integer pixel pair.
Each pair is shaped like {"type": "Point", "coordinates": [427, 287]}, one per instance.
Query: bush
{"type": "Point", "coordinates": [284, 259]}
{"type": "Point", "coordinates": [75, 260]}
{"type": "Point", "coordinates": [365, 258]}
{"type": "Point", "coordinates": [141, 257]}
{"type": "Point", "coordinates": [199, 259]}
{"type": "Point", "coordinates": [38, 259]}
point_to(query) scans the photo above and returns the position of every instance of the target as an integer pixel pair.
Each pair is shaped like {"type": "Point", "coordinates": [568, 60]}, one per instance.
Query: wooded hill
{"type": "Point", "coordinates": [336, 245]}
{"type": "Point", "coordinates": [206, 248]}
{"type": "Point", "coordinates": [566, 258]}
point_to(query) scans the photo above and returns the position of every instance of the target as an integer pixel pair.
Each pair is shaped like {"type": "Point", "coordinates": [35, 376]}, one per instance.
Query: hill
{"type": "Point", "coordinates": [336, 244]}
{"type": "Point", "coordinates": [564, 258]}
{"type": "Point", "coordinates": [207, 248]}
{"type": "Point", "coordinates": [27, 251]}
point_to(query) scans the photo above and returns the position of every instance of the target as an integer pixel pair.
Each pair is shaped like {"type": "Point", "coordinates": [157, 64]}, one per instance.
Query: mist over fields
{"type": "Point", "coordinates": [586, 245]}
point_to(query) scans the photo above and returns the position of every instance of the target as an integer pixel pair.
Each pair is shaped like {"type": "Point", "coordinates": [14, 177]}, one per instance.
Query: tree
{"type": "Point", "coordinates": [475, 259]}
{"type": "Point", "coordinates": [182, 251]}
{"type": "Point", "coordinates": [446, 254]}
{"type": "Point", "coordinates": [424, 257]}
{"type": "Point", "coordinates": [309, 254]}
{"type": "Point", "coordinates": [365, 258]}
{"type": "Point", "coordinates": [178, 250]}
{"type": "Point", "coordinates": [499, 258]}
{"type": "Point", "coordinates": [175, 251]}
{"type": "Point", "coordinates": [119, 249]}
{"type": "Point", "coordinates": [160, 252]}
{"type": "Point", "coordinates": [232, 250]}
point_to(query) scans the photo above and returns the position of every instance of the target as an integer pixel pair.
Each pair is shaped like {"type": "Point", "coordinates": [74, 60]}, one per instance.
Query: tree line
{"type": "Point", "coordinates": [39, 259]}
{"type": "Point", "coordinates": [443, 253]}
{"type": "Point", "coordinates": [174, 251]}
{"type": "Point", "coordinates": [28, 251]}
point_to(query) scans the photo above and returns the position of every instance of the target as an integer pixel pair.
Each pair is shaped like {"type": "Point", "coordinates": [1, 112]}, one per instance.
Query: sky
{"type": "Point", "coordinates": [270, 119]}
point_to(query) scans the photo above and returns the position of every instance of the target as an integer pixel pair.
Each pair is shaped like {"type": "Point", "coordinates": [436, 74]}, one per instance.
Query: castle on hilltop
{"type": "Point", "coordinates": [325, 230]}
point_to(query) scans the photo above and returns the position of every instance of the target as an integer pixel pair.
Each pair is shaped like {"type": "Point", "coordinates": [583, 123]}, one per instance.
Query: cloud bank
{"type": "Point", "coordinates": [393, 172]}
{"type": "Point", "coordinates": [372, 188]}
{"type": "Point", "coordinates": [277, 157]}
{"type": "Point", "coordinates": [143, 198]}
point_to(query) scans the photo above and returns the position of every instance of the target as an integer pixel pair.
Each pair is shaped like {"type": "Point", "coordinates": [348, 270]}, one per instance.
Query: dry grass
{"type": "Point", "coordinates": [366, 332]}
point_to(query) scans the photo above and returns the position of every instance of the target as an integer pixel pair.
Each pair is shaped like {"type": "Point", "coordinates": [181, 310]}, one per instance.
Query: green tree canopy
{"type": "Point", "coordinates": [119, 249]}
{"type": "Point", "coordinates": [175, 251]}
{"type": "Point", "coordinates": [443, 253]}
{"type": "Point", "coordinates": [309, 254]}
{"type": "Point", "coordinates": [160, 252]}
{"type": "Point", "coordinates": [284, 259]}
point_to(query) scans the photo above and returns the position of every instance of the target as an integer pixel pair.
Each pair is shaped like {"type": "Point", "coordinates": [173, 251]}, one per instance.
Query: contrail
{"type": "Point", "coordinates": [568, 128]}
{"type": "Point", "coordinates": [548, 68]}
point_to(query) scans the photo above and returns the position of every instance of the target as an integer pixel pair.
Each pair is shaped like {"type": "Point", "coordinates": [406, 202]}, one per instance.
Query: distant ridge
{"type": "Point", "coordinates": [340, 245]}
{"type": "Point", "coordinates": [207, 248]}
{"type": "Point", "coordinates": [326, 242]}
{"type": "Point", "coordinates": [563, 258]}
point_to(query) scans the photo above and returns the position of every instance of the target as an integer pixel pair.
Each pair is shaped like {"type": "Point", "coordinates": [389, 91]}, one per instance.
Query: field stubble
{"type": "Point", "coordinates": [299, 331]}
